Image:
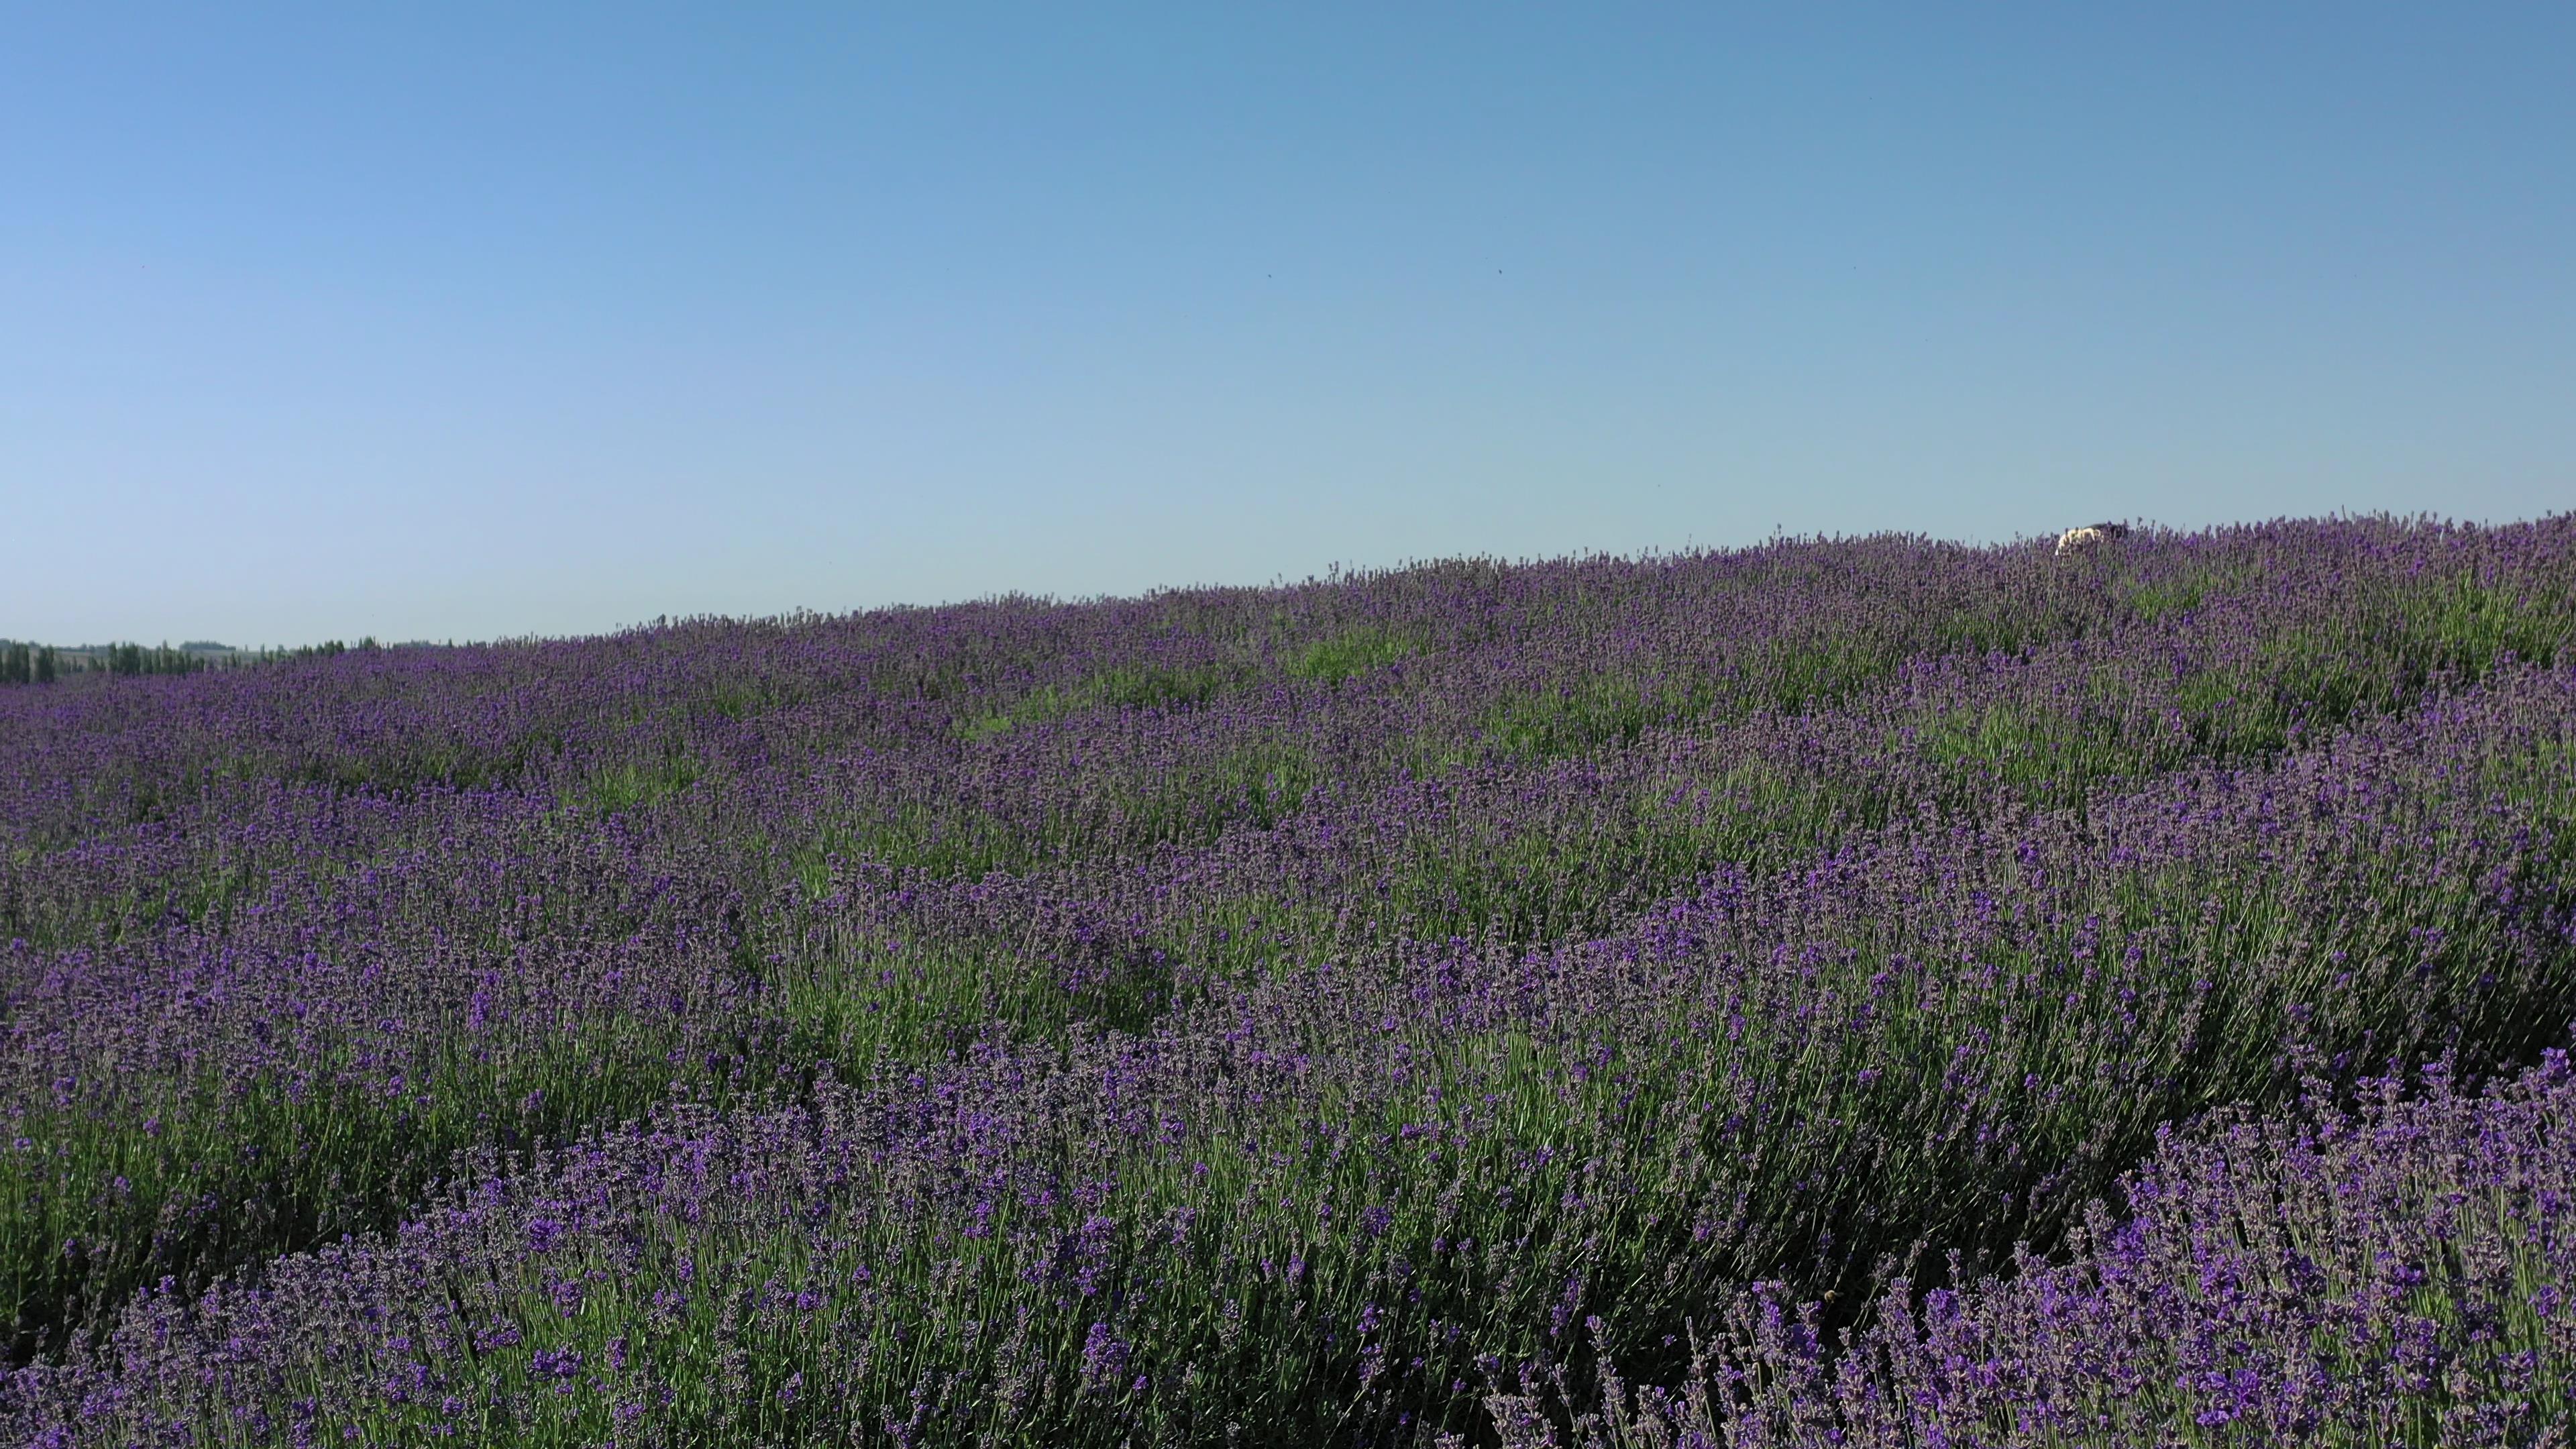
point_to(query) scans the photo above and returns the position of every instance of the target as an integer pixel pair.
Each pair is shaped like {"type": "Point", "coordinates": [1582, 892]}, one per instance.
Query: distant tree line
{"type": "Point", "coordinates": [129, 660]}
{"type": "Point", "coordinates": [24, 663]}
{"type": "Point", "coordinates": [27, 664]}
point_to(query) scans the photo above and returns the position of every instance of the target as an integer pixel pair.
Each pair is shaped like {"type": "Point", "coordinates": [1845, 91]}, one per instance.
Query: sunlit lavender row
{"type": "Point", "coordinates": [2393, 1275]}
{"type": "Point", "coordinates": [1461, 1001]}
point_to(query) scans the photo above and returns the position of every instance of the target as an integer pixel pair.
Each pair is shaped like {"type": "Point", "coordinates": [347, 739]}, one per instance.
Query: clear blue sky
{"type": "Point", "coordinates": [450, 320]}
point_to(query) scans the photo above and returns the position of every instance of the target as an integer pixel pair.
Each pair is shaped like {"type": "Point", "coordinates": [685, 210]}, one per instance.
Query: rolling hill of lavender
{"type": "Point", "coordinates": [1863, 993]}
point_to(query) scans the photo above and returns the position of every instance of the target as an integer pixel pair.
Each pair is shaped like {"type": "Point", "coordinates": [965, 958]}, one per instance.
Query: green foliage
{"type": "Point", "coordinates": [1149, 686]}
{"type": "Point", "coordinates": [202, 1175]}
{"type": "Point", "coordinates": [1591, 1154]}
{"type": "Point", "coordinates": [2153, 603]}
{"type": "Point", "coordinates": [196, 1177]}
{"type": "Point", "coordinates": [2464, 627]}
{"type": "Point", "coordinates": [636, 784]}
{"type": "Point", "coordinates": [2043, 757]}
{"type": "Point", "coordinates": [2452, 631]}
{"type": "Point", "coordinates": [2155, 591]}
{"type": "Point", "coordinates": [1613, 709]}
{"type": "Point", "coordinates": [945, 844]}
{"type": "Point", "coordinates": [1351, 653]}
{"type": "Point", "coordinates": [1593, 713]}
{"type": "Point", "coordinates": [1796, 676]}
{"type": "Point", "coordinates": [1189, 800]}
{"type": "Point", "coordinates": [131, 660]}
{"type": "Point", "coordinates": [1126, 686]}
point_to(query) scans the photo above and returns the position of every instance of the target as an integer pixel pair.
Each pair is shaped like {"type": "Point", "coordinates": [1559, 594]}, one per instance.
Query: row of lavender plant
{"type": "Point", "coordinates": [1534, 661]}
{"type": "Point", "coordinates": [1332, 1203]}
{"type": "Point", "coordinates": [1512, 852]}
{"type": "Point", "coordinates": [204, 1094]}
{"type": "Point", "coordinates": [2399, 1274]}
{"type": "Point", "coordinates": [1521, 852]}
{"type": "Point", "coordinates": [1443, 879]}
{"type": "Point", "coordinates": [2317, 638]}
{"type": "Point", "coordinates": [302, 968]}
{"type": "Point", "coordinates": [1104, 784]}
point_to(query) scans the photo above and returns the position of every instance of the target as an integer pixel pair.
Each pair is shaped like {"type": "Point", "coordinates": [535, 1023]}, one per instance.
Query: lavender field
{"type": "Point", "coordinates": [1860, 993]}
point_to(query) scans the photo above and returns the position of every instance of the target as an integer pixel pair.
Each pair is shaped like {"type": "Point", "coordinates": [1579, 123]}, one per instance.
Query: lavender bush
{"type": "Point", "coordinates": [1272, 1015]}
{"type": "Point", "coordinates": [2397, 1274]}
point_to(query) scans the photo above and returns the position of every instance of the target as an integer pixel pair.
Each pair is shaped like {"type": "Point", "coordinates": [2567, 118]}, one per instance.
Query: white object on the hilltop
{"type": "Point", "coordinates": [2091, 538]}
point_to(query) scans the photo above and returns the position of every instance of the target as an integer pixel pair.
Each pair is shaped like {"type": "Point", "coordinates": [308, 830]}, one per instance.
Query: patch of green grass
{"type": "Point", "coordinates": [1155, 686]}
{"type": "Point", "coordinates": [1351, 653]}
{"type": "Point", "coordinates": [1189, 801]}
{"type": "Point", "coordinates": [976, 729]}
{"type": "Point", "coordinates": [1126, 686]}
{"type": "Point", "coordinates": [636, 784]}
{"type": "Point", "coordinates": [738, 698]}
{"type": "Point", "coordinates": [2467, 626]}
{"type": "Point", "coordinates": [1798, 676]}
{"type": "Point", "coordinates": [2049, 757]}
{"type": "Point", "coordinates": [2155, 591]}
{"type": "Point", "coordinates": [1612, 710]}
{"type": "Point", "coordinates": [947, 844]}
{"type": "Point", "coordinates": [1584, 715]}
{"type": "Point", "coordinates": [2005, 626]}
{"type": "Point", "coordinates": [855, 1004]}
{"type": "Point", "coordinates": [2153, 603]}
{"type": "Point", "coordinates": [1258, 783]}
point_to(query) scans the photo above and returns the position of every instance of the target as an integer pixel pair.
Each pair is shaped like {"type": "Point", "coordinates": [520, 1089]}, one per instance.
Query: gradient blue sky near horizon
{"type": "Point", "coordinates": [466, 321]}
